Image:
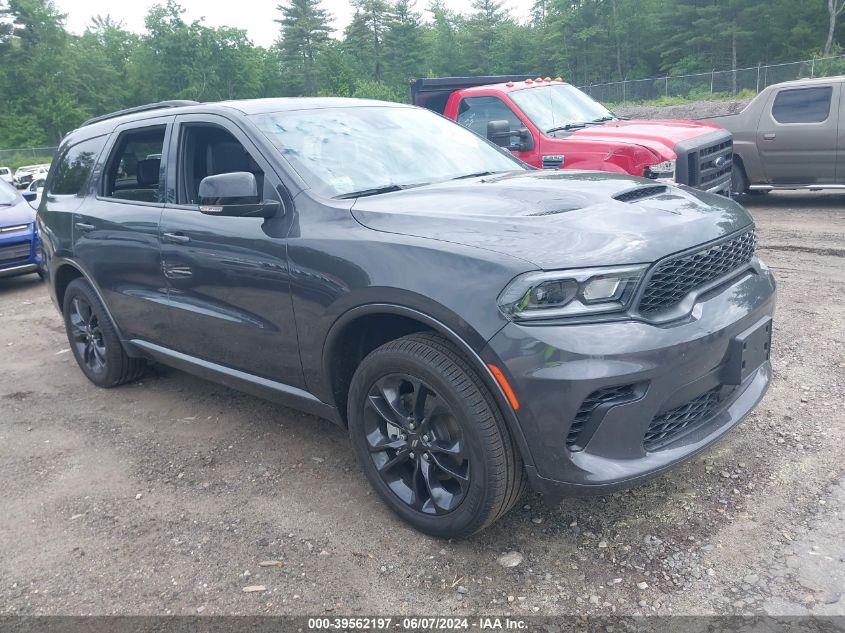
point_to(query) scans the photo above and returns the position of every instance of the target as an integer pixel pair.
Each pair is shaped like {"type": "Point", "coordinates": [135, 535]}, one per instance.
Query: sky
{"type": "Point", "coordinates": [255, 16]}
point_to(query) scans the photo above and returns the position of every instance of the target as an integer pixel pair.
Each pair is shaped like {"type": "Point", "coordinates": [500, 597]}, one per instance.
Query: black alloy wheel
{"type": "Point", "coordinates": [86, 336]}
{"type": "Point", "coordinates": [94, 340]}
{"type": "Point", "coordinates": [431, 438]}
{"type": "Point", "coordinates": [416, 444]}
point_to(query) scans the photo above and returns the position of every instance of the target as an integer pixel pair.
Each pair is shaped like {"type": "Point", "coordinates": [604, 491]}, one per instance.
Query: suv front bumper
{"type": "Point", "coordinates": [650, 371]}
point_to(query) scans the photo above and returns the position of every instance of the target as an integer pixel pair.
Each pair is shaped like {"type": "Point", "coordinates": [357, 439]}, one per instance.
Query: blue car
{"type": "Point", "coordinates": [19, 251]}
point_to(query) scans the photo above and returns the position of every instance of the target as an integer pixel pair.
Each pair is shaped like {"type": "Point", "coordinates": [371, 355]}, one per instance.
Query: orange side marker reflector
{"type": "Point", "coordinates": [503, 383]}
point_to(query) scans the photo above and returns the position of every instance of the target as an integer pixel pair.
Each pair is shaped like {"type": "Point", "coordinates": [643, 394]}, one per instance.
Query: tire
{"type": "Point", "coordinates": [448, 466]}
{"type": "Point", "coordinates": [739, 181]}
{"type": "Point", "coordinates": [93, 339]}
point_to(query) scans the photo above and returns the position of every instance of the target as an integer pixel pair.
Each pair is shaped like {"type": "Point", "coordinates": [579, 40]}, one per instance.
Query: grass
{"type": "Point", "coordinates": [690, 98]}
{"type": "Point", "coordinates": [18, 160]}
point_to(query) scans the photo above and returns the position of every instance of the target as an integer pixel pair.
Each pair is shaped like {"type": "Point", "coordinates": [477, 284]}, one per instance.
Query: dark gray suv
{"type": "Point", "coordinates": [476, 324]}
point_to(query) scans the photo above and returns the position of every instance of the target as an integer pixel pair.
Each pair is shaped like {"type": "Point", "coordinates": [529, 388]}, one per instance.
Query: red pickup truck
{"type": "Point", "coordinates": [549, 123]}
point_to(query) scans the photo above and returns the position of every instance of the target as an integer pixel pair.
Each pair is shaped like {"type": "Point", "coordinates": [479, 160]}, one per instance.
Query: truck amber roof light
{"type": "Point", "coordinates": [503, 383]}
{"type": "Point", "coordinates": [558, 78]}
{"type": "Point", "coordinates": [547, 79]}
{"type": "Point", "coordinates": [509, 84]}
{"type": "Point", "coordinates": [539, 80]}
{"type": "Point", "coordinates": [529, 81]}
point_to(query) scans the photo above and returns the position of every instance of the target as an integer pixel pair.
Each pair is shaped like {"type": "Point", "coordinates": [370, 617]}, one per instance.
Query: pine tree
{"type": "Point", "coordinates": [365, 35]}
{"type": "Point", "coordinates": [483, 34]}
{"type": "Point", "coordinates": [404, 47]}
{"type": "Point", "coordinates": [304, 30]}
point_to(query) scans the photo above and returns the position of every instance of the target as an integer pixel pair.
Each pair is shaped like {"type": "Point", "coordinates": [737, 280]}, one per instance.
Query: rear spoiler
{"type": "Point", "coordinates": [433, 93]}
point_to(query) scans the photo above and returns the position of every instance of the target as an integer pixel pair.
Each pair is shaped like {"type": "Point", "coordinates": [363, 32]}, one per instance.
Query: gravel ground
{"type": "Point", "coordinates": [166, 496]}
{"type": "Point", "coordinates": [691, 110]}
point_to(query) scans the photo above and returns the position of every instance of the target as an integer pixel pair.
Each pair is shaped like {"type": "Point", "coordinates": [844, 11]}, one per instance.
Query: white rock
{"type": "Point", "coordinates": [509, 559]}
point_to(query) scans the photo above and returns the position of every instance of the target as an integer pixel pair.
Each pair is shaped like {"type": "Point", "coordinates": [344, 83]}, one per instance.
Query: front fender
{"type": "Point", "coordinates": [463, 342]}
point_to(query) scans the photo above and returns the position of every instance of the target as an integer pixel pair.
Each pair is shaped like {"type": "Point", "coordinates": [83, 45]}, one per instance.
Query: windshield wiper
{"type": "Point", "coordinates": [371, 192]}
{"type": "Point", "coordinates": [568, 126]}
{"type": "Point", "coordinates": [603, 119]}
{"type": "Point", "coordinates": [475, 175]}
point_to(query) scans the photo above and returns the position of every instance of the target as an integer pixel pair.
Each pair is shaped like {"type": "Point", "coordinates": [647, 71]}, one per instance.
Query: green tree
{"type": "Point", "coordinates": [404, 44]}
{"type": "Point", "coordinates": [365, 35]}
{"type": "Point", "coordinates": [304, 32]}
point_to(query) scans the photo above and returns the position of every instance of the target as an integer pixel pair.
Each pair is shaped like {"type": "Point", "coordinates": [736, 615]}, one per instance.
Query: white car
{"type": "Point", "coordinates": [6, 174]}
{"type": "Point", "coordinates": [34, 191]}
{"type": "Point", "coordinates": [26, 174]}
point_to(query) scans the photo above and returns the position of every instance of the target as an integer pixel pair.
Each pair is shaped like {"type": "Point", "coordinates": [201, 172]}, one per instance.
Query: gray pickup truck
{"type": "Point", "coordinates": [791, 136]}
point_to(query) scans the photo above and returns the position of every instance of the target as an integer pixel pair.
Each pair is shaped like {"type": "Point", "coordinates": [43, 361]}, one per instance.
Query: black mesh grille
{"type": "Point", "coordinates": [640, 193]}
{"type": "Point", "coordinates": [598, 397]}
{"type": "Point", "coordinates": [674, 278]}
{"type": "Point", "coordinates": [666, 426]}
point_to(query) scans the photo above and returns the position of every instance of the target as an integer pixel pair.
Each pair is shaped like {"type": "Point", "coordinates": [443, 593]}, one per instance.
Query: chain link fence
{"type": "Point", "coordinates": [14, 158]}
{"type": "Point", "coordinates": [715, 84]}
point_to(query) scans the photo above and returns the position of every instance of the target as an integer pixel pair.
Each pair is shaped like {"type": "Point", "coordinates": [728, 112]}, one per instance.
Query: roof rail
{"type": "Point", "coordinates": [144, 108]}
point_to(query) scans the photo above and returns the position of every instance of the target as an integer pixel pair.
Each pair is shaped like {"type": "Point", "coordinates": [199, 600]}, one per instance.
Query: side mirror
{"type": "Point", "coordinates": [234, 195]}
{"type": "Point", "coordinates": [500, 133]}
{"type": "Point", "coordinates": [30, 196]}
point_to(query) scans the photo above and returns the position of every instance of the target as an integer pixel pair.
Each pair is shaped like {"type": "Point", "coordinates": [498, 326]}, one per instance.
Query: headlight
{"type": "Point", "coordinates": [661, 171]}
{"type": "Point", "coordinates": [568, 293]}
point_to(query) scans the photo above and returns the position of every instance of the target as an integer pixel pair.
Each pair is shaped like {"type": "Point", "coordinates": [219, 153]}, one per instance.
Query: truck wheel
{"type": "Point", "coordinates": [94, 340]}
{"type": "Point", "coordinates": [431, 439]}
{"type": "Point", "coordinates": [739, 181]}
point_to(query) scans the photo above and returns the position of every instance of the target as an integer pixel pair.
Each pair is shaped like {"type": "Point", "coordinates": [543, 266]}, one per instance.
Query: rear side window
{"type": "Point", "coordinates": [134, 166]}
{"type": "Point", "coordinates": [803, 105]}
{"type": "Point", "coordinates": [73, 168]}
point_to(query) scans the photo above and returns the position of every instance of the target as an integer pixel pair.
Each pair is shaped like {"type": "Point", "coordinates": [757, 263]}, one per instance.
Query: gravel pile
{"type": "Point", "coordinates": [692, 110]}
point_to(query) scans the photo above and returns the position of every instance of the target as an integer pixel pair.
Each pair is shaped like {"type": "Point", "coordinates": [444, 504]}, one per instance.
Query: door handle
{"type": "Point", "coordinates": [176, 238]}
{"type": "Point", "coordinates": [769, 136]}
{"type": "Point", "coordinates": [84, 227]}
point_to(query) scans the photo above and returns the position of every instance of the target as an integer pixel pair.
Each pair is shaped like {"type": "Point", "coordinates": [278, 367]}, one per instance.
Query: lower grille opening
{"type": "Point", "coordinates": [667, 426]}
{"type": "Point", "coordinates": [605, 395]}
{"type": "Point", "coordinates": [15, 251]}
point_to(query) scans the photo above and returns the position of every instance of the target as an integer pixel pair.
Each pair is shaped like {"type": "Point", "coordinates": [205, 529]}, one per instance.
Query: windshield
{"type": "Point", "coordinates": [341, 151]}
{"type": "Point", "coordinates": [559, 105]}
{"type": "Point", "coordinates": [8, 194]}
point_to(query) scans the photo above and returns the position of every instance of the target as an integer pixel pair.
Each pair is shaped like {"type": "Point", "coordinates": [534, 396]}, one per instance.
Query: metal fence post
{"type": "Point", "coordinates": [813, 68]}
{"type": "Point", "coordinates": [759, 64]}
{"type": "Point", "coordinates": [712, 76]}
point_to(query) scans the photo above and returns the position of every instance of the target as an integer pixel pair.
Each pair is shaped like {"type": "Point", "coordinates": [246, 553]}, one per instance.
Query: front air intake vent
{"type": "Point", "coordinates": [641, 193]}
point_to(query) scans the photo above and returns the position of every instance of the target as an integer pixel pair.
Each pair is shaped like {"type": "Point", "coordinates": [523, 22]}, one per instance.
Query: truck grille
{"type": "Point", "coordinates": [12, 252]}
{"type": "Point", "coordinates": [714, 165]}
{"type": "Point", "coordinates": [669, 425]}
{"type": "Point", "coordinates": [708, 166]}
{"type": "Point", "coordinates": [674, 278]}
{"type": "Point", "coordinates": [597, 398]}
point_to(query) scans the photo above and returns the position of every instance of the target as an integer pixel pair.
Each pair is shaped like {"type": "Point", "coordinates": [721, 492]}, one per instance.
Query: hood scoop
{"type": "Point", "coordinates": [640, 193]}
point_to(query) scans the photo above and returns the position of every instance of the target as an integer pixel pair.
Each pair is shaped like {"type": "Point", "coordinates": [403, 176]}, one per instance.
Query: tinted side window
{"type": "Point", "coordinates": [134, 166]}
{"type": "Point", "coordinates": [208, 150]}
{"type": "Point", "coordinates": [476, 112]}
{"type": "Point", "coordinates": [73, 168]}
{"type": "Point", "coordinates": [804, 105]}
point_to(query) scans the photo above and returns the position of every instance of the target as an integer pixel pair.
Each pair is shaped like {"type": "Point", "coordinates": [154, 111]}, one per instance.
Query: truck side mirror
{"type": "Point", "coordinates": [499, 132]}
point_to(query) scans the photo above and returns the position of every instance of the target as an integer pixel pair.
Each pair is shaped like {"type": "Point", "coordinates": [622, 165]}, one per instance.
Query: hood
{"type": "Point", "coordinates": [659, 136]}
{"type": "Point", "coordinates": [20, 213]}
{"type": "Point", "coordinates": [558, 219]}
